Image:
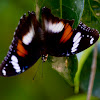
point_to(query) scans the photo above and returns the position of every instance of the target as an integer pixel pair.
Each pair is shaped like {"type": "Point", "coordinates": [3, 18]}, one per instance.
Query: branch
{"type": "Point", "coordinates": [37, 11]}
{"type": "Point", "coordinates": [93, 71]}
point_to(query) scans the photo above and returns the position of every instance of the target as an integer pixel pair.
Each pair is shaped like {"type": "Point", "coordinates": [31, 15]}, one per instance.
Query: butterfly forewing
{"type": "Point", "coordinates": [25, 48]}
{"type": "Point", "coordinates": [56, 31]}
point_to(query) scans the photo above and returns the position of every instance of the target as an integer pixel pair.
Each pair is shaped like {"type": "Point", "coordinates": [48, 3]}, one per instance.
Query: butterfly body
{"type": "Point", "coordinates": [55, 37]}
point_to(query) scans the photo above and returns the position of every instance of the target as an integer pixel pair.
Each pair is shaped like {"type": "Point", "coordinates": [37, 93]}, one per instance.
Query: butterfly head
{"type": "Point", "coordinates": [46, 10]}
{"type": "Point", "coordinates": [44, 57]}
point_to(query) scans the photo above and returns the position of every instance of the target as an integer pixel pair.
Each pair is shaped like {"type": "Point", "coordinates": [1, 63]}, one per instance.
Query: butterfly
{"type": "Point", "coordinates": [55, 37]}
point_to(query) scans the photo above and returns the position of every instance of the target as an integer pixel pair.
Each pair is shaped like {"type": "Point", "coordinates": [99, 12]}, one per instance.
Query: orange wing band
{"type": "Point", "coordinates": [67, 33]}
{"type": "Point", "coordinates": [21, 50]}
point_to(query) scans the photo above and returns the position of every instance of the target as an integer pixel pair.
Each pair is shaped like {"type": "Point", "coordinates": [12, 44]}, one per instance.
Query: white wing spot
{"type": "Point", "coordinates": [3, 71]}
{"type": "Point", "coordinates": [29, 36]}
{"type": "Point", "coordinates": [87, 35]}
{"type": "Point", "coordinates": [74, 50]}
{"type": "Point", "coordinates": [82, 35]}
{"type": "Point", "coordinates": [90, 36]}
{"type": "Point", "coordinates": [6, 64]}
{"type": "Point", "coordinates": [74, 47]}
{"type": "Point", "coordinates": [53, 27]}
{"type": "Point", "coordinates": [14, 58]}
{"type": "Point", "coordinates": [91, 41]}
{"type": "Point", "coordinates": [15, 64]}
{"type": "Point", "coordinates": [78, 34]}
{"type": "Point", "coordinates": [76, 41]}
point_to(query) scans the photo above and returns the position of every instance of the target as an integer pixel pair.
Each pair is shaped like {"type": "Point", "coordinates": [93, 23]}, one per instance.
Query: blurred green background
{"type": "Point", "coordinates": [53, 85]}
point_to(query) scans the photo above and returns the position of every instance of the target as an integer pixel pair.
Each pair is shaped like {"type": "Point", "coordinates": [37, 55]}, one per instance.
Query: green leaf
{"type": "Point", "coordinates": [72, 9]}
{"type": "Point", "coordinates": [91, 14]}
{"type": "Point", "coordinates": [66, 9]}
{"type": "Point", "coordinates": [82, 60]}
{"type": "Point", "coordinates": [66, 67]}
{"type": "Point", "coordinates": [85, 74]}
{"type": "Point", "coordinates": [81, 97]}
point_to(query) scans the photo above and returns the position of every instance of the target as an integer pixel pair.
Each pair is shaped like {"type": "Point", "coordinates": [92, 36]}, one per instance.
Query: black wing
{"type": "Point", "coordinates": [61, 39]}
{"type": "Point", "coordinates": [82, 38]}
{"type": "Point", "coordinates": [25, 48]}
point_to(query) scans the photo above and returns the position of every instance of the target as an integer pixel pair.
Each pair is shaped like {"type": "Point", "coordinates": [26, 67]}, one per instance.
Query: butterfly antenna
{"type": "Point", "coordinates": [36, 71]}
{"type": "Point", "coordinates": [42, 69]}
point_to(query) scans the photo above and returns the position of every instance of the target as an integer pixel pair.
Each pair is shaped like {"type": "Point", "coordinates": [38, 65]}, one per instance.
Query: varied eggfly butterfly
{"type": "Point", "coordinates": [55, 37]}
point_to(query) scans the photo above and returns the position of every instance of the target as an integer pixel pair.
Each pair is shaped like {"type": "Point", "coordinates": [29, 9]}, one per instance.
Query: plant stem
{"type": "Point", "coordinates": [93, 71]}
{"type": "Point", "coordinates": [37, 11]}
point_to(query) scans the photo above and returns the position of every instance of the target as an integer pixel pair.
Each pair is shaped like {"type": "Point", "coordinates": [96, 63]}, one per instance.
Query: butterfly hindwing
{"type": "Point", "coordinates": [83, 37]}
{"type": "Point", "coordinates": [25, 48]}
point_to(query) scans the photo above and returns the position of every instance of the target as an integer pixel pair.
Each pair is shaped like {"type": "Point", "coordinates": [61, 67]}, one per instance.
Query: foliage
{"type": "Point", "coordinates": [64, 66]}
